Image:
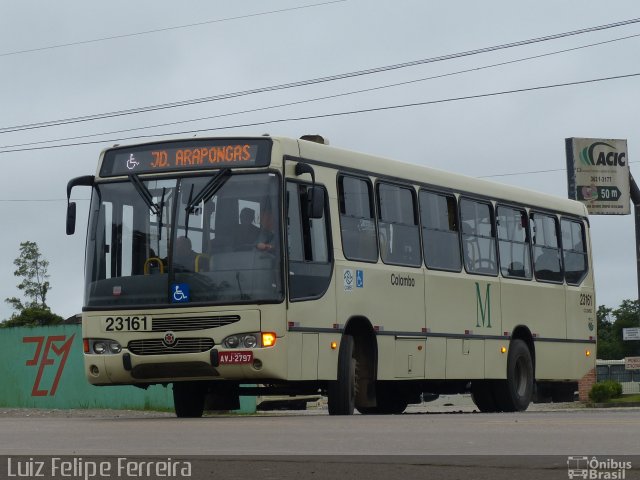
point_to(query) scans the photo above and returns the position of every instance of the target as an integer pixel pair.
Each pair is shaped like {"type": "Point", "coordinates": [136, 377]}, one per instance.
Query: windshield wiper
{"type": "Point", "coordinates": [159, 215]}
{"type": "Point", "coordinates": [209, 190]}
{"type": "Point", "coordinates": [144, 193]}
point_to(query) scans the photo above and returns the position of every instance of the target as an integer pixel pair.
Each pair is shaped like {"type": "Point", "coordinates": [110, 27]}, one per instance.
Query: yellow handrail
{"type": "Point", "coordinates": [198, 257]}
{"type": "Point", "coordinates": [149, 261]}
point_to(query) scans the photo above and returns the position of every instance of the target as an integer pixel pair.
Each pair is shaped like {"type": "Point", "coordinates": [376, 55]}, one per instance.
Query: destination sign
{"type": "Point", "coordinates": [185, 156]}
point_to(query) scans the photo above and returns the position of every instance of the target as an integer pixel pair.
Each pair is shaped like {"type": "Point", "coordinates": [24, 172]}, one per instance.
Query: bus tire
{"type": "Point", "coordinates": [342, 391]}
{"type": "Point", "coordinates": [188, 399]}
{"type": "Point", "coordinates": [482, 396]}
{"type": "Point", "coordinates": [515, 394]}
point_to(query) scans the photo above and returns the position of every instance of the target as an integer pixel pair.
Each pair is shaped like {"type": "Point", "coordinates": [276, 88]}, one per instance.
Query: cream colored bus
{"type": "Point", "coordinates": [302, 268]}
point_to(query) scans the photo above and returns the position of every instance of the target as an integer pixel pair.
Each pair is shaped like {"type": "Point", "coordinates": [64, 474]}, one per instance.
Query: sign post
{"type": "Point", "coordinates": [631, 333]}
{"type": "Point", "coordinates": [598, 175]}
{"type": "Point", "coordinates": [632, 363]}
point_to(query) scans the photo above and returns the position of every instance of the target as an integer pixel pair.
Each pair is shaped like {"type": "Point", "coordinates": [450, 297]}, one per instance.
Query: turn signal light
{"type": "Point", "coordinates": [334, 345]}
{"type": "Point", "coordinates": [268, 339]}
{"type": "Point", "coordinates": [503, 349]}
{"type": "Point", "coordinates": [85, 345]}
{"type": "Point", "coordinates": [588, 353]}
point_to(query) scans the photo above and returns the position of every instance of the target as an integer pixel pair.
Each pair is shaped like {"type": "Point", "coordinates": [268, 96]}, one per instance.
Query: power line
{"type": "Point", "coordinates": [513, 174]}
{"type": "Point", "coordinates": [38, 200]}
{"type": "Point", "coordinates": [335, 114]}
{"type": "Point", "coordinates": [341, 76]}
{"type": "Point", "coordinates": [165, 29]}
{"type": "Point", "coordinates": [326, 97]}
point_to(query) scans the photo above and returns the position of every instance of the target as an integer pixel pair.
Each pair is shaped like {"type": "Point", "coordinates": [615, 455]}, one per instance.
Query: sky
{"type": "Point", "coordinates": [130, 54]}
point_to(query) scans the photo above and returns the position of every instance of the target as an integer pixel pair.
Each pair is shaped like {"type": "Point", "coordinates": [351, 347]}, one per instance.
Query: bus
{"type": "Point", "coordinates": [278, 266]}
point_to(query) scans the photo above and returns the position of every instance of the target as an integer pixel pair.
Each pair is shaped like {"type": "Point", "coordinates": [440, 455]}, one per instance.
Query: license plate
{"type": "Point", "coordinates": [135, 323]}
{"type": "Point", "coordinates": [235, 358]}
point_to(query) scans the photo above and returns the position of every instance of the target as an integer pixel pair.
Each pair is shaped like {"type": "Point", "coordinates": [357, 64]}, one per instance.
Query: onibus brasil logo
{"type": "Point", "coordinates": [597, 468]}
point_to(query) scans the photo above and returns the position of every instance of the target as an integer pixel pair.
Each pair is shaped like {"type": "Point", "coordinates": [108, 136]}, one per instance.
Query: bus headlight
{"type": "Point", "coordinates": [250, 340]}
{"type": "Point", "coordinates": [103, 347]}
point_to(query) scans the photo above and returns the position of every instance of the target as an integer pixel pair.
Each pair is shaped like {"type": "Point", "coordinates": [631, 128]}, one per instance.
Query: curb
{"type": "Point", "coordinates": [613, 405]}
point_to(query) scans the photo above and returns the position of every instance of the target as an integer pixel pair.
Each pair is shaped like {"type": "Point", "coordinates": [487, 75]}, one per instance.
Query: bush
{"type": "Point", "coordinates": [603, 391]}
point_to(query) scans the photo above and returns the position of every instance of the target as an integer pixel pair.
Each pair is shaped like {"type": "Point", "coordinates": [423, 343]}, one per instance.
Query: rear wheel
{"type": "Point", "coordinates": [188, 399]}
{"type": "Point", "coordinates": [342, 391]}
{"type": "Point", "coordinates": [514, 394]}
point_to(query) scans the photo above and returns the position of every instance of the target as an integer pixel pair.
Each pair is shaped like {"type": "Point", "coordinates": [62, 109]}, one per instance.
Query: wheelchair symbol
{"type": "Point", "coordinates": [132, 162]}
{"type": "Point", "coordinates": [180, 293]}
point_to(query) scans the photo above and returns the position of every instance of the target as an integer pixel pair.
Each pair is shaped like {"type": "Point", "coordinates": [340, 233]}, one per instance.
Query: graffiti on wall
{"type": "Point", "coordinates": [48, 350]}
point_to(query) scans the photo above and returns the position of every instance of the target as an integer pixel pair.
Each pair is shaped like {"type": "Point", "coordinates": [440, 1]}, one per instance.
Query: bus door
{"type": "Point", "coordinates": [311, 303]}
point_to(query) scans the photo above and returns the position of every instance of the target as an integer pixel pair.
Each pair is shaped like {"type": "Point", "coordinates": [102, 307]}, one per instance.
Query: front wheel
{"type": "Point", "coordinates": [188, 399]}
{"type": "Point", "coordinates": [514, 394]}
{"type": "Point", "coordinates": [342, 391]}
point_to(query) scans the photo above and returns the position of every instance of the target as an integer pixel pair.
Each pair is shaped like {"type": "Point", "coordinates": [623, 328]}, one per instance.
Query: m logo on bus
{"type": "Point", "coordinates": [483, 310]}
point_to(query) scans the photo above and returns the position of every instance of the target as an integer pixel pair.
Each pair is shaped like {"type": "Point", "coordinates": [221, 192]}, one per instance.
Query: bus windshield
{"type": "Point", "coordinates": [211, 239]}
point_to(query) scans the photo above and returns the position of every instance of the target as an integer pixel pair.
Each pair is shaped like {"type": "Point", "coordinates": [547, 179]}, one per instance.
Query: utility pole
{"type": "Point", "coordinates": [635, 199]}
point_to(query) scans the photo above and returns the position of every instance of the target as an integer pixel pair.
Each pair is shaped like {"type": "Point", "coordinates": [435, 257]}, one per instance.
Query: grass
{"type": "Point", "coordinates": [633, 398]}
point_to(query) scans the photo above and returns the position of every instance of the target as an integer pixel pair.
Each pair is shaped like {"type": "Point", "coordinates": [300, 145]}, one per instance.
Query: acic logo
{"type": "Point", "coordinates": [610, 158]}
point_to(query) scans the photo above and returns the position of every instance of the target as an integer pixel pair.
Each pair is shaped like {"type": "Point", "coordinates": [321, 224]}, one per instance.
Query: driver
{"type": "Point", "coordinates": [183, 255]}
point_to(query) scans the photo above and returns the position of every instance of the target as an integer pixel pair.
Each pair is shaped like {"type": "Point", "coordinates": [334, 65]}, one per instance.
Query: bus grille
{"type": "Point", "coordinates": [191, 323]}
{"type": "Point", "coordinates": [156, 346]}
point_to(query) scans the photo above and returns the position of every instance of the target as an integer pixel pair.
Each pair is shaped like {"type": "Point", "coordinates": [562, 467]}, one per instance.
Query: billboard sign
{"type": "Point", "coordinates": [598, 174]}
{"type": "Point", "coordinates": [631, 334]}
{"type": "Point", "coordinates": [632, 363]}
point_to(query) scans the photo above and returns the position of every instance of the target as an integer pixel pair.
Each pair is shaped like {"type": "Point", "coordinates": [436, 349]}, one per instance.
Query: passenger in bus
{"type": "Point", "coordinates": [547, 265]}
{"type": "Point", "coordinates": [265, 238]}
{"type": "Point", "coordinates": [247, 233]}
{"type": "Point", "coordinates": [183, 255]}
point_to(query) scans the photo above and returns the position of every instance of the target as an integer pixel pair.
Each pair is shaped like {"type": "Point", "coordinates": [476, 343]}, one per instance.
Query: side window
{"type": "Point", "coordinates": [399, 233]}
{"type": "Point", "coordinates": [357, 221]}
{"type": "Point", "coordinates": [546, 251]}
{"type": "Point", "coordinates": [439, 215]}
{"type": "Point", "coordinates": [513, 242]}
{"type": "Point", "coordinates": [574, 251]}
{"type": "Point", "coordinates": [478, 237]}
{"type": "Point", "coordinates": [307, 239]}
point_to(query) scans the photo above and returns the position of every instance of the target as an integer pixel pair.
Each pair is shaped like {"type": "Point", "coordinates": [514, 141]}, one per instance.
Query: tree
{"type": "Point", "coordinates": [32, 269]}
{"type": "Point", "coordinates": [627, 316]}
{"type": "Point", "coordinates": [32, 317]}
{"type": "Point", "coordinates": [610, 325]}
{"type": "Point", "coordinates": [608, 347]}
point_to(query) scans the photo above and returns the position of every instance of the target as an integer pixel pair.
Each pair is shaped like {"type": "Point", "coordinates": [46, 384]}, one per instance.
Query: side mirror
{"type": "Point", "coordinates": [85, 181]}
{"type": "Point", "coordinates": [315, 195]}
{"type": "Point", "coordinates": [71, 218]}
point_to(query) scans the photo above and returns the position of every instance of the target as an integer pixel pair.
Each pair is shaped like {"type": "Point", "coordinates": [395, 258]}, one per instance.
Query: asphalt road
{"type": "Point", "coordinates": [447, 441]}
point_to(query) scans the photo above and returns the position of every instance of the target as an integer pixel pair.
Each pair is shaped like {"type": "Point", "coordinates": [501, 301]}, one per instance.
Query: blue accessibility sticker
{"type": "Point", "coordinates": [359, 278]}
{"type": "Point", "coordinates": [180, 293]}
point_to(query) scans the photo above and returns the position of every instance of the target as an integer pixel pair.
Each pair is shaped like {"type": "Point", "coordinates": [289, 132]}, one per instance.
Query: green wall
{"type": "Point", "coordinates": [42, 367]}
